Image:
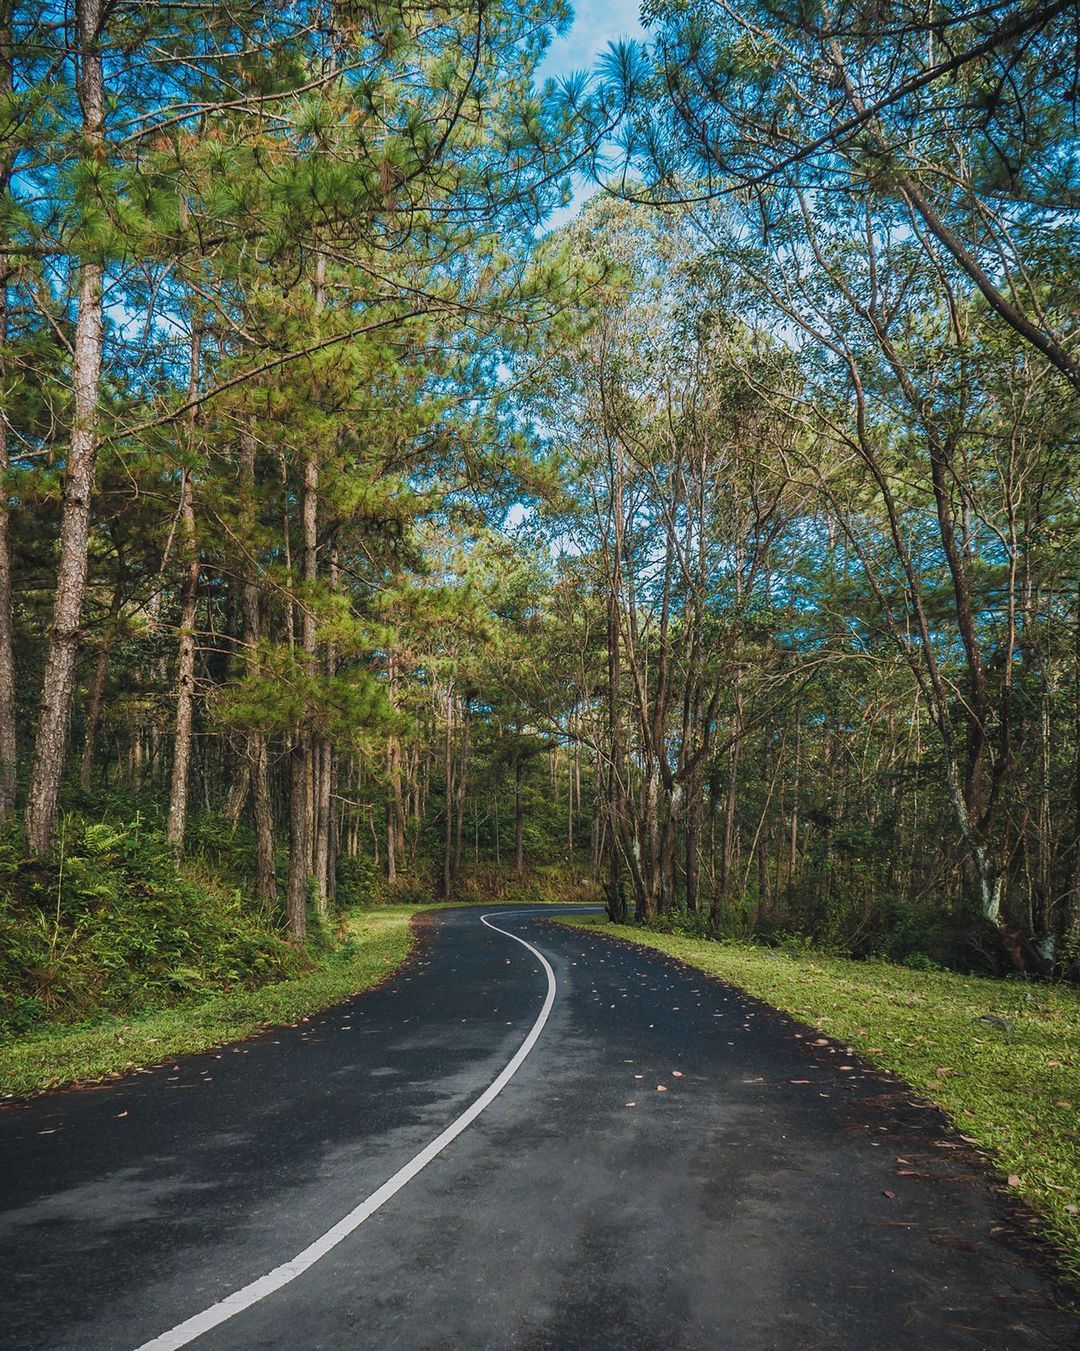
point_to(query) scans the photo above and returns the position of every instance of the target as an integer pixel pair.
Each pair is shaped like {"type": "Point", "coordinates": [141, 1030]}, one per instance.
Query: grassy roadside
{"type": "Point", "coordinates": [1014, 1090]}
{"type": "Point", "coordinates": [376, 941]}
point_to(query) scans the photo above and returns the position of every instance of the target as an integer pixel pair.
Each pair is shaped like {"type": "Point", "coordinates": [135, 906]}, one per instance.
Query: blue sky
{"type": "Point", "coordinates": [596, 23]}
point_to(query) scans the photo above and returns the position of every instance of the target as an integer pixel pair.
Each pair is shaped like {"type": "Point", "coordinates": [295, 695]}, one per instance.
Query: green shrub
{"type": "Point", "coordinates": [357, 882]}
{"type": "Point", "coordinates": [111, 923]}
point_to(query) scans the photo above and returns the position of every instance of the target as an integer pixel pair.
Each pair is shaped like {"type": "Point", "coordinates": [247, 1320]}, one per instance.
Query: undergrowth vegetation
{"type": "Point", "coordinates": [112, 923]}
{"type": "Point", "coordinates": [363, 947]}
{"type": "Point", "coordinates": [878, 927]}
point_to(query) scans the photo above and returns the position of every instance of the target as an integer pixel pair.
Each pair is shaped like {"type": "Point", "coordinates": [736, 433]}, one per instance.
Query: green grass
{"type": "Point", "coordinates": [1016, 1093]}
{"type": "Point", "coordinates": [376, 942]}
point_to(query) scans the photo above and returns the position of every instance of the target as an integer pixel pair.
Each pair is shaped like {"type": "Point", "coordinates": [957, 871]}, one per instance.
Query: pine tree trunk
{"type": "Point", "coordinates": [395, 815]}
{"type": "Point", "coordinates": [727, 854]}
{"type": "Point", "coordinates": [58, 683]}
{"type": "Point", "coordinates": [299, 825]}
{"type": "Point", "coordinates": [93, 716]}
{"type": "Point", "coordinates": [301, 758]}
{"type": "Point", "coordinates": [693, 842]}
{"type": "Point", "coordinates": [189, 599]}
{"type": "Point", "coordinates": [8, 739]}
{"type": "Point", "coordinates": [459, 790]}
{"type": "Point", "coordinates": [1071, 906]}
{"type": "Point", "coordinates": [263, 820]}
{"type": "Point", "coordinates": [8, 743]}
{"type": "Point", "coordinates": [322, 838]}
{"type": "Point", "coordinates": [308, 638]}
{"type": "Point", "coordinates": [570, 794]}
{"type": "Point", "coordinates": [448, 769]}
{"type": "Point", "coordinates": [185, 670]}
{"type": "Point", "coordinates": [310, 512]}
{"type": "Point", "coordinates": [97, 691]}
{"type": "Point", "coordinates": [519, 822]}
{"type": "Point", "coordinates": [258, 759]}
{"type": "Point", "coordinates": [793, 825]}
{"type": "Point", "coordinates": [391, 831]}
{"type": "Point", "coordinates": [333, 828]}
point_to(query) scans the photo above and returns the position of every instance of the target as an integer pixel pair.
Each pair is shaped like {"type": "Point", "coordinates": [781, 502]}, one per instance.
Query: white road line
{"type": "Point", "coordinates": [243, 1299]}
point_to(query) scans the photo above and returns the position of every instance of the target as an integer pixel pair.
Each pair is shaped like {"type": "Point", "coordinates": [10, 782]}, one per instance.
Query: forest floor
{"type": "Point", "coordinates": [1000, 1057]}
{"type": "Point", "coordinates": [375, 941]}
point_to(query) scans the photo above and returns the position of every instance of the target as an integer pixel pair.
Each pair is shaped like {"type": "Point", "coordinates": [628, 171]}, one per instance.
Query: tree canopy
{"type": "Point", "coordinates": [717, 551]}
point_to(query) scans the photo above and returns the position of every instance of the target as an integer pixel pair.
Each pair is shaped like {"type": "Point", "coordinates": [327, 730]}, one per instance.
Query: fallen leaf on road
{"type": "Point", "coordinates": [119, 1114]}
{"type": "Point", "coordinates": [661, 1088]}
{"type": "Point", "coordinates": [890, 1195]}
{"type": "Point", "coordinates": [629, 1104]}
{"type": "Point", "coordinates": [676, 1074]}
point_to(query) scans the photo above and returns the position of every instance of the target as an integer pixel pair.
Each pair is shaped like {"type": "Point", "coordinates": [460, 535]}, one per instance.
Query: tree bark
{"type": "Point", "coordinates": [308, 744]}
{"type": "Point", "coordinates": [8, 739]}
{"type": "Point", "coordinates": [58, 683]}
{"type": "Point", "coordinates": [692, 867]}
{"type": "Point", "coordinates": [299, 825]}
{"type": "Point", "coordinates": [301, 758]}
{"type": "Point", "coordinates": [519, 822]}
{"type": "Point", "coordinates": [189, 599]}
{"type": "Point", "coordinates": [97, 692]}
{"type": "Point", "coordinates": [727, 854]}
{"type": "Point", "coordinates": [323, 864]}
{"type": "Point", "coordinates": [258, 759]}
{"type": "Point", "coordinates": [448, 771]}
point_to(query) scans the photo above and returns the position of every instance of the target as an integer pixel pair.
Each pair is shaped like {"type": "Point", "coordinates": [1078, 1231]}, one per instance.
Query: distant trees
{"type": "Point", "coordinates": [887, 195]}
{"type": "Point", "coordinates": [817, 487]}
{"type": "Point", "coordinates": [671, 458]}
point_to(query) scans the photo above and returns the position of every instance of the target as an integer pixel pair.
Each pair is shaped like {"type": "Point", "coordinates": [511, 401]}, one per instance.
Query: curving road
{"type": "Point", "coordinates": [531, 1137]}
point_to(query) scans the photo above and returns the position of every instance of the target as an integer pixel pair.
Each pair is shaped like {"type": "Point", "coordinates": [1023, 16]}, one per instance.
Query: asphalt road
{"type": "Point", "coordinates": [671, 1165]}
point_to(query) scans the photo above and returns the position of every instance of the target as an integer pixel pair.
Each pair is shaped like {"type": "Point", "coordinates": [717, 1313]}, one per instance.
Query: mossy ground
{"type": "Point", "coordinates": [1014, 1091]}
{"type": "Point", "coordinates": [372, 943]}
